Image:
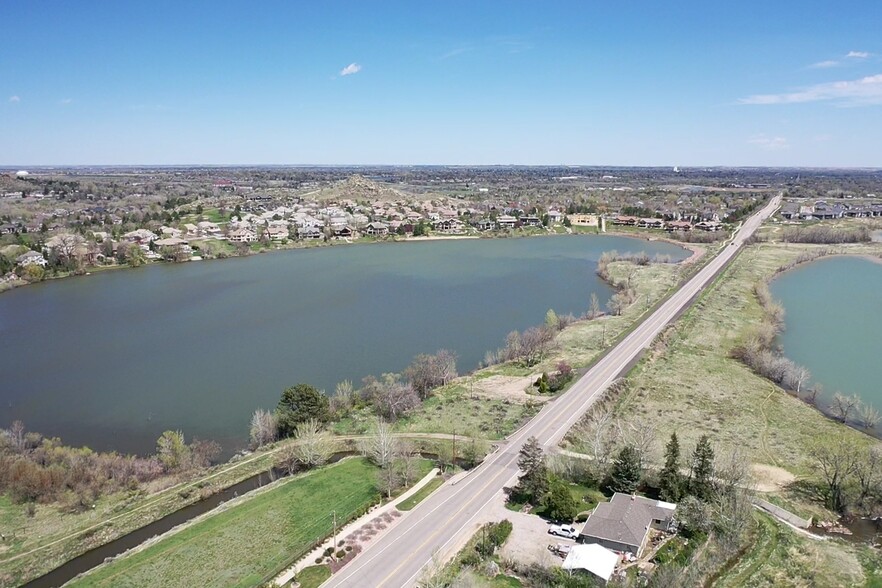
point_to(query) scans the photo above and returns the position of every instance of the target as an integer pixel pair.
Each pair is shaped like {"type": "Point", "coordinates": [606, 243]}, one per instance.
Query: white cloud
{"type": "Point", "coordinates": [858, 54]}
{"type": "Point", "coordinates": [352, 68]}
{"type": "Point", "coordinates": [65, 101]}
{"type": "Point", "coordinates": [824, 64]}
{"type": "Point", "coordinates": [863, 91]}
{"type": "Point", "coordinates": [14, 99]}
{"type": "Point", "coordinates": [769, 143]}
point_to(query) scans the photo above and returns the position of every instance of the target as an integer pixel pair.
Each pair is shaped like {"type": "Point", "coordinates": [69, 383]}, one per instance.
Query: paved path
{"type": "Point", "coordinates": [439, 525]}
{"type": "Point", "coordinates": [310, 557]}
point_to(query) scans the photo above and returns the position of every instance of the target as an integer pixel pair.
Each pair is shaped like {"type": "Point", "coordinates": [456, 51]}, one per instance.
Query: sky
{"type": "Point", "coordinates": [689, 83]}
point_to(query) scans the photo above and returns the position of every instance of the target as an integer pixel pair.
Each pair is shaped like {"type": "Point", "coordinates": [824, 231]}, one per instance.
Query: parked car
{"type": "Point", "coordinates": [567, 531]}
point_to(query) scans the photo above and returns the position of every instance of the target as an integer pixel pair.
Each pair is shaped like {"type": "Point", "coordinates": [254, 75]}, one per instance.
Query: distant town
{"type": "Point", "coordinates": [56, 222]}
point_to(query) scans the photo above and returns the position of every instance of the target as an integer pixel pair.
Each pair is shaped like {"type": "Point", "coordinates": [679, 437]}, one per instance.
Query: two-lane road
{"type": "Point", "coordinates": [438, 525]}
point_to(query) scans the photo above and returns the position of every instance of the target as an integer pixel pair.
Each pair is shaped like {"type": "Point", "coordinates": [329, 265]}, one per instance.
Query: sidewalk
{"type": "Point", "coordinates": [309, 558]}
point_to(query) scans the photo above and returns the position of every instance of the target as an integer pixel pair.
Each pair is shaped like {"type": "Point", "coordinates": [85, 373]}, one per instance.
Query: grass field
{"type": "Point", "coordinates": [241, 545]}
{"type": "Point", "coordinates": [34, 545]}
{"type": "Point", "coordinates": [421, 494]}
{"type": "Point", "coordinates": [313, 576]}
{"type": "Point", "coordinates": [779, 556]}
{"type": "Point", "coordinates": [689, 384]}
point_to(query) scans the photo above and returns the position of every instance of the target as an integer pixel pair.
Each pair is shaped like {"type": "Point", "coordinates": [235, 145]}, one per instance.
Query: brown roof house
{"type": "Point", "coordinates": [623, 523]}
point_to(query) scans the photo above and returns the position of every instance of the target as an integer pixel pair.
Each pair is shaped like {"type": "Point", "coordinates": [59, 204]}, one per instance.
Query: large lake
{"type": "Point", "coordinates": [113, 359]}
{"type": "Point", "coordinates": [833, 317]}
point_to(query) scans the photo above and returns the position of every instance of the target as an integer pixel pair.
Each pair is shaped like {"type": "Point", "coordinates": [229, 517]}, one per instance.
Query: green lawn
{"type": "Point", "coordinates": [421, 494]}
{"type": "Point", "coordinates": [243, 544]}
{"type": "Point", "coordinates": [313, 576]}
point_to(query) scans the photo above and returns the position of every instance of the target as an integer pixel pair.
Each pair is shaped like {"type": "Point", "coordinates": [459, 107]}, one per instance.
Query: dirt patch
{"type": "Point", "coordinates": [510, 388]}
{"type": "Point", "coordinates": [771, 478]}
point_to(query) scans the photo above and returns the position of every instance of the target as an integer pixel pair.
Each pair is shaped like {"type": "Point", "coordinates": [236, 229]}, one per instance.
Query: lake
{"type": "Point", "coordinates": [833, 317]}
{"type": "Point", "coordinates": [113, 359]}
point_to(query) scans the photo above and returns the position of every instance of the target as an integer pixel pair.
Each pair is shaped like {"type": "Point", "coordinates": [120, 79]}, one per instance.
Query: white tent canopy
{"type": "Point", "coordinates": [593, 558]}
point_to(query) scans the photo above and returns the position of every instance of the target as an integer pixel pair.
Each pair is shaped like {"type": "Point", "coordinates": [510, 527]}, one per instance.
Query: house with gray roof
{"type": "Point", "coordinates": [623, 523]}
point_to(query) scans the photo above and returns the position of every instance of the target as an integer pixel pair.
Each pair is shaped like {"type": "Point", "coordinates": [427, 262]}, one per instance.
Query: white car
{"type": "Point", "coordinates": [567, 531]}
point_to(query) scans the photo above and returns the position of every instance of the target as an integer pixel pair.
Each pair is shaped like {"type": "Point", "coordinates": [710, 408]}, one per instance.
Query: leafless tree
{"type": "Point", "coordinates": [390, 396]}
{"type": "Point", "coordinates": [594, 307]}
{"type": "Point", "coordinates": [408, 462]}
{"type": "Point", "coordinates": [801, 377]}
{"type": "Point", "coordinates": [428, 372]}
{"type": "Point", "coordinates": [264, 428]}
{"type": "Point", "coordinates": [534, 344]}
{"type": "Point", "coordinates": [342, 400]}
{"type": "Point", "coordinates": [868, 473]}
{"type": "Point", "coordinates": [313, 445]}
{"type": "Point", "coordinates": [843, 405]}
{"type": "Point", "coordinates": [868, 415]}
{"type": "Point", "coordinates": [599, 433]}
{"type": "Point", "coordinates": [17, 436]}
{"type": "Point", "coordinates": [640, 435]}
{"type": "Point", "coordinates": [732, 470]}
{"type": "Point", "coordinates": [835, 461]}
{"type": "Point", "coordinates": [380, 446]}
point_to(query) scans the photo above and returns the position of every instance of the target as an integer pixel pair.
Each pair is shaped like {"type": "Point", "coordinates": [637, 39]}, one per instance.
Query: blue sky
{"type": "Point", "coordinates": [595, 83]}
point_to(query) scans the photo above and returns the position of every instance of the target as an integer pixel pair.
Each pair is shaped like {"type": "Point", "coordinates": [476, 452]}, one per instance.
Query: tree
{"type": "Point", "coordinates": [701, 475]}
{"type": "Point", "coordinates": [559, 502]}
{"type": "Point", "coordinates": [533, 482]}
{"type": "Point", "coordinates": [380, 446]}
{"type": "Point", "coordinates": [342, 400]}
{"type": "Point", "coordinates": [626, 471]}
{"type": "Point", "coordinates": [551, 320]}
{"type": "Point", "coordinates": [172, 452]}
{"type": "Point", "coordinates": [427, 372]}
{"type": "Point", "coordinates": [264, 428]}
{"type": "Point", "coordinates": [868, 415]}
{"type": "Point", "coordinates": [298, 404]}
{"type": "Point", "coordinates": [594, 308]}
{"type": "Point", "coordinates": [843, 405]}
{"type": "Point", "coordinates": [313, 446]}
{"type": "Point", "coordinates": [835, 461]}
{"type": "Point", "coordinates": [670, 480]}
{"type": "Point", "coordinates": [695, 515]}
{"type": "Point", "coordinates": [390, 396]}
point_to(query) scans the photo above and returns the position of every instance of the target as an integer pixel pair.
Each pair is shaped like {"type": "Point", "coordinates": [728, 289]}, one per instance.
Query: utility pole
{"type": "Point", "coordinates": [334, 514]}
{"type": "Point", "coordinates": [454, 447]}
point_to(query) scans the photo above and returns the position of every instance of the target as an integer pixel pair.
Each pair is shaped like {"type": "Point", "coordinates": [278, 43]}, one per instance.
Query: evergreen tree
{"type": "Point", "coordinates": [533, 483]}
{"type": "Point", "coordinates": [670, 479]}
{"type": "Point", "coordinates": [559, 502]}
{"type": "Point", "coordinates": [299, 404]}
{"type": "Point", "coordinates": [701, 476]}
{"type": "Point", "coordinates": [626, 471]}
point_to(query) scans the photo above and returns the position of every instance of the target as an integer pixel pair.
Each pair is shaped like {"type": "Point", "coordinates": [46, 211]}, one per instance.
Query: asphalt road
{"type": "Point", "coordinates": [438, 526]}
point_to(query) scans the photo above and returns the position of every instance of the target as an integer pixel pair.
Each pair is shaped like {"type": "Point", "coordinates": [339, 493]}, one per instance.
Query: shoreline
{"type": "Point", "coordinates": [7, 286]}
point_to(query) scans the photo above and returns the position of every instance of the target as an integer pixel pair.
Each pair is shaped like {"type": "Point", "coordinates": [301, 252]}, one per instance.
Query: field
{"type": "Point", "coordinates": [689, 384]}
{"type": "Point", "coordinates": [34, 545]}
{"type": "Point", "coordinates": [242, 544]}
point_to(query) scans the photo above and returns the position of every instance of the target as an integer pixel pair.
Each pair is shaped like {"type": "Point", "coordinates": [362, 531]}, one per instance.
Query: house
{"type": "Point", "coordinates": [531, 221]}
{"type": "Point", "coordinates": [208, 228]}
{"type": "Point", "coordinates": [344, 232]}
{"type": "Point", "coordinates": [584, 220]}
{"type": "Point", "coordinates": [376, 229]}
{"type": "Point", "coordinates": [651, 223]}
{"type": "Point", "coordinates": [309, 233]}
{"type": "Point", "coordinates": [555, 216]}
{"type": "Point", "coordinates": [485, 224]}
{"type": "Point", "coordinates": [592, 558]}
{"type": "Point", "coordinates": [506, 222]}
{"type": "Point", "coordinates": [623, 523]}
{"type": "Point", "coordinates": [31, 258]}
{"type": "Point", "coordinates": [191, 229]}
{"type": "Point", "coordinates": [450, 225]}
{"type": "Point", "coordinates": [683, 226]}
{"type": "Point", "coordinates": [709, 226]}
{"type": "Point", "coordinates": [628, 221]}
{"type": "Point", "coordinates": [140, 236]}
{"type": "Point", "coordinates": [277, 233]}
{"type": "Point", "coordinates": [242, 236]}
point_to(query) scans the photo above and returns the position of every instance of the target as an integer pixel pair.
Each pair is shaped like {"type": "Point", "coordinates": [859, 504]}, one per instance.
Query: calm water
{"type": "Point", "coordinates": [834, 324]}
{"type": "Point", "coordinates": [112, 360]}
